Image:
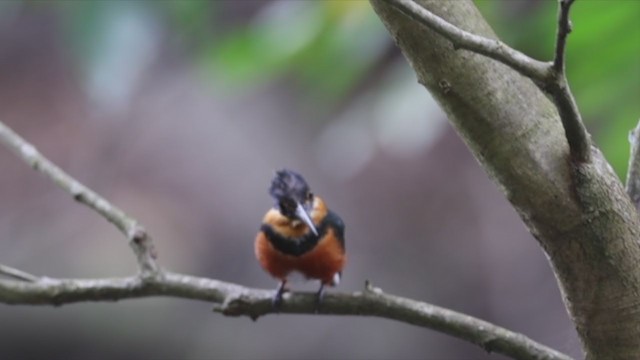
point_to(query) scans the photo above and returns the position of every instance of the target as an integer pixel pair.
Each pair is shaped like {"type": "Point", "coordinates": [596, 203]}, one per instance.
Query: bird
{"type": "Point", "coordinates": [299, 234]}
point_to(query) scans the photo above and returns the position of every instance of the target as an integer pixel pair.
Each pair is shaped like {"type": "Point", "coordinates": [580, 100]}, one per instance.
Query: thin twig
{"type": "Point", "coordinates": [17, 274]}
{"type": "Point", "coordinates": [558, 88]}
{"type": "Point", "coordinates": [633, 172]}
{"type": "Point", "coordinates": [235, 300]}
{"type": "Point", "coordinates": [139, 239]}
{"type": "Point", "coordinates": [564, 28]}
{"type": "Point", "coordinates": [548, 76]}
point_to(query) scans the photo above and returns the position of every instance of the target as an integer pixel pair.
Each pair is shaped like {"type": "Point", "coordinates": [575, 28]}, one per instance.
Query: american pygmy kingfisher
{"type": "Point", "coordinates": [300, 234]}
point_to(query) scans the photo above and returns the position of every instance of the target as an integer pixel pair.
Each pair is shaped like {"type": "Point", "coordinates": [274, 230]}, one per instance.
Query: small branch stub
{"type": "Point", "coordinates": [144, 249]}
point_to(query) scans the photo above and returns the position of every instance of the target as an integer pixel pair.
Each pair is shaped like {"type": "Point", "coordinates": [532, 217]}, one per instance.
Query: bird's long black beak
{"type": "Point", "coordinates": [302, 214]}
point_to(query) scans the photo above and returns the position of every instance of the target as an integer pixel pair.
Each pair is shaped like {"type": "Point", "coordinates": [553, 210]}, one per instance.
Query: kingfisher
{"type": "Point", "coordinates": [300, 234]}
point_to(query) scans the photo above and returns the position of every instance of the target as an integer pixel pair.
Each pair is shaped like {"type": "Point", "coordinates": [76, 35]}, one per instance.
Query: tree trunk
{"type": "Point", "coordinates": [579, 212]}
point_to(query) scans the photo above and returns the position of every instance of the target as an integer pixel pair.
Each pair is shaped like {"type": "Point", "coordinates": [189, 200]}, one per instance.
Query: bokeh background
{"type": "Point", "coordinates": [180, 111]}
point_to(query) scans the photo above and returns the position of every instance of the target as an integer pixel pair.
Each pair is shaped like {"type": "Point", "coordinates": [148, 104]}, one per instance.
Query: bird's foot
{"type": "Point", "coordinates": [319, 297]}
{"type": "Point", "coordinates": [277, 299]}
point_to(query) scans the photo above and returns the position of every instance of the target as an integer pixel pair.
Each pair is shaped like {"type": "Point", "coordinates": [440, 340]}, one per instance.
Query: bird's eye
{"type": "Point", "coordinates": [310, 196]}
{"type": "Point", "coordinates": [287, 206]}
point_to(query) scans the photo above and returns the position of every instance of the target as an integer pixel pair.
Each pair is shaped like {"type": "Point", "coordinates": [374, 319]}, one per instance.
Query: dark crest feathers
{"type": "Point", "coordinates": [289, 185]}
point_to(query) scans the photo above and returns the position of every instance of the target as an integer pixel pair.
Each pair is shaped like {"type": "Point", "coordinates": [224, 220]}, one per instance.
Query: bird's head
{"type": "Point", "coordinates": [293, 197]}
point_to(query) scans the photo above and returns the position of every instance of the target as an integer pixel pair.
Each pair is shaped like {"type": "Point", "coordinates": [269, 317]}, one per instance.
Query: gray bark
{"type": "Point", "coordinates": [578, 211]}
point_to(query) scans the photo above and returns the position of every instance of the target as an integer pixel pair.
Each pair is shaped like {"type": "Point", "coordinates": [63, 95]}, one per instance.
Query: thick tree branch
{"type": "Point", "coordinates": [548, 76]}
{"type": "Point", "coordinates": [235, 300]}
{"type": "Point", "coordinates": [633, 172]}
{"type": "Point", "coordinates": [139, 239]}
{"type": "Point", "coordinates": [17, 274]}
{"type": "Point", "coordinates": [577, 210]}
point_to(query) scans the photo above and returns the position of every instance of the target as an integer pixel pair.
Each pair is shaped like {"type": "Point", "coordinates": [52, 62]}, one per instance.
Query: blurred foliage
{"type": "Point", "coordinates": [328, 47]}
{"type": "Point", "coordinates": [324, 45]}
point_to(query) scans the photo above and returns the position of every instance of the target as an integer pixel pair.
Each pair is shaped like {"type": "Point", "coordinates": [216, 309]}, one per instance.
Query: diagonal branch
{"type": "Point", "coordinates": [495, 49]}
{"type": "Point", "coordinates": [633, 172]}
{"type": "Point", "coordinates": [235, 300]}
{"type": "Point", "coordinates": [139, 239]}
{"type": "Point", "coordinates": [548, 76]}
{"type": "Point", "coordinates": [17, 274]}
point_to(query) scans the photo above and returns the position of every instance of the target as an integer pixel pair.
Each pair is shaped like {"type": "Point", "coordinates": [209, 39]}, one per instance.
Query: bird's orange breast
{"type": "Point", "coordinates": [323, 261]}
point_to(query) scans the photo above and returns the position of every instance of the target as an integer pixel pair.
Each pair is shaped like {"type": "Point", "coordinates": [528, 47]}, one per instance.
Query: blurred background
{"type": "Point", "coordinates": [180, 111]}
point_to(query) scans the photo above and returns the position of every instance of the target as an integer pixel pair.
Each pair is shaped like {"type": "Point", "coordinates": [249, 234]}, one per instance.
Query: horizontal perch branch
{"type": "Point", "coordinates": [236, 300]}
{"type": "Point", "coordinates": [230, 299]}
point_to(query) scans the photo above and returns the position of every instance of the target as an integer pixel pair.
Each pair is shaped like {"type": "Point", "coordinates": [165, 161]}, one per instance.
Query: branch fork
{"type": "Point", "coordinates": [550, 76]}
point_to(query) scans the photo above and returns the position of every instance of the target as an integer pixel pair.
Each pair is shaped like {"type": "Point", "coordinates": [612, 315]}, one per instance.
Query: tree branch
{"type": "Point", "coordinates": [235, 300]}
{"type": "Point", "coordinates": [548, 76]}
{"type": "Point", "coordinates": [17, 274]}
{"type": "Point", "coordinates": [633, 172]}
{"type": "Point", "coordinates": [578, 212]}
{"type": "Point", "coordinates": [564, 28]}
{"type": "Point", "coordinates": [139, 239]}
{"type": "Point", "coordinates": [495, 49]}
{"type": "Point", "coordinates": [232, 299]}
{"type": "Point", "coordinates": [558, 88]}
